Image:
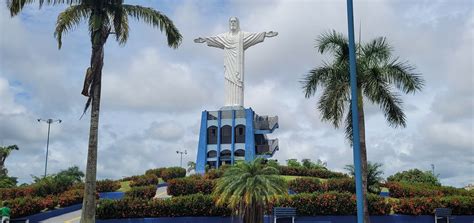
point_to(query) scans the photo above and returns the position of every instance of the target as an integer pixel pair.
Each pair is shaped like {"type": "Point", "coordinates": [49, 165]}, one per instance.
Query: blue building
{"type": "Point", "coordinates": [234, 135]}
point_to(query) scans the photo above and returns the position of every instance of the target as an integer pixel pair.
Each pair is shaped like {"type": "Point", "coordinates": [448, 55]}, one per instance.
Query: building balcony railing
{"type": "Point", "coordinates": [265, 122]}
{"type": "Point", "coordinates": [269, 148]}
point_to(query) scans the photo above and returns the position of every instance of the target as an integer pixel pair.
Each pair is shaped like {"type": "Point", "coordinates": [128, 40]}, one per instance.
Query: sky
{"type": "Point", "coordinates": [152, 95]}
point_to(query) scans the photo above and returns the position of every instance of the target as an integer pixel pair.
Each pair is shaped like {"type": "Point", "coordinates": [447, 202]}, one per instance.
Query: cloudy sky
{"type": "Point", "coordinates": [153, 96]}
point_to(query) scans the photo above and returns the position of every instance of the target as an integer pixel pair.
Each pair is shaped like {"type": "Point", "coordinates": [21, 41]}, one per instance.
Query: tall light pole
{"type": "Point", "coordinates": [48, 121]}
{"type": "Point", "coordinates": [181, 159]}
{"type": "Point", "coordinates": [432, 169]}
{"type": "Point", "coordinates": [355, 114]}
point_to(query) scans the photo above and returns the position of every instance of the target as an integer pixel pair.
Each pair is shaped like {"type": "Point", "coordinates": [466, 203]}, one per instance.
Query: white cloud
{"type": "Point", "coordinates": [153, 95]}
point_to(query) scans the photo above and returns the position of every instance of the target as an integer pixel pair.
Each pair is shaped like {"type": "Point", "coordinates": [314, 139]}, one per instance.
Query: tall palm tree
{"type": "Point", "coordinates": [4, 153]}
{"type": "Point", "coordinates": [378, 74]}
{"type": "Point", "coordinates": [248, 187]}
{"type": "Point", "coordinates": [104, 17]}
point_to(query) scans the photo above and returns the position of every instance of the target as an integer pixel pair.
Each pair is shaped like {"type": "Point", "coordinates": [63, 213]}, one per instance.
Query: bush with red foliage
{"type": "Point", "coordinates": [145, 180]}
{"type": "Point", "coordinates": [143, 192]}
{"type": "Point", "coordinates": [187, 186]}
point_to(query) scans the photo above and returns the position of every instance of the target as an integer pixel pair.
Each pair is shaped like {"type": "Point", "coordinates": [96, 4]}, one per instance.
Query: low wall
{"type": "Point", "coordinates": [315, 219]}
{"type": "Point", "coordinates": [53, 213]}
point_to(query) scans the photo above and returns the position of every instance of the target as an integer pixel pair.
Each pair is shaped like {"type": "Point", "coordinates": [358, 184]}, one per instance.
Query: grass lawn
{"type": "Point", "coordinates": [124, 186]}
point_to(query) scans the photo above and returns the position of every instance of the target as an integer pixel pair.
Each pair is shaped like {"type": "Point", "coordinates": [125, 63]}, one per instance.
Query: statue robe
{"type": "Point", "coordinates": [234, 46]}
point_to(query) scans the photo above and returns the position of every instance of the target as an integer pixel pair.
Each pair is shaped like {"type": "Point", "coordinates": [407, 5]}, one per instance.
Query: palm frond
{"type": "Point", "coordinates": [15, 6]}
{"type": "Point", "coordinates": [402, 76]}
{"type": "Point", "coordinates": [316, 77]}
{"type": "Point", "coordinates": [377, 50]}
{"type": "Point", "coordinates": [70, 19]}
{"type": "Point", "coordinates": [348, 132]}
{"type": "Point", "coordinates": [156, 19]}
{"type": "Point", "coordinates": [379, 92]}
{"type": "Point", "coordinates": [335, 43]}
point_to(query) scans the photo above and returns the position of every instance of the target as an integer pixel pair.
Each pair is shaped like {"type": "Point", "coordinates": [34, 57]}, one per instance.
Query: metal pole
{"type": "Point", "coordinates": [49, 121]}
{"type": "Point", "coordinates": [181, 160]}
{"type": "Point", "coordinates": [355, 114]}
{"type": "Point", "coordinates": [47, 147]}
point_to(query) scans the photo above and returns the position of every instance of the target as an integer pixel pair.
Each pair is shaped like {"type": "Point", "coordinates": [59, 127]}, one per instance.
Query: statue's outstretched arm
{"type": "Point", "coordinates": [200, 40]}
{"type": "Point", "coordinates": [271, 34]}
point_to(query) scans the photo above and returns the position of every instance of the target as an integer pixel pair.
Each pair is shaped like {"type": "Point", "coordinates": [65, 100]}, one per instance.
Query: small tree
{"type": "Point", "coordinates": [415, 176]}
{"type": "Point", "coordinates": [293, 163]}
{"type": "Point", "coordinates": [374, 175]}
{"type": "Point", "coordinates": [247, 188]}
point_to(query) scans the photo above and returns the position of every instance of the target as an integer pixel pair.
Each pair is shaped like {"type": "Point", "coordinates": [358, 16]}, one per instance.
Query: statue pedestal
{"type": "Point", "coordinates": [234, 134]}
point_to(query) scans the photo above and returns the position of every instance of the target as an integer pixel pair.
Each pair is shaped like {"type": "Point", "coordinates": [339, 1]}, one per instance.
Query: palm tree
{"type": "Point", "coordinates": [104, 17]}
{"type": "Point", "coordinates": [4, 153]}
{"type": "Point", "coordinates": [374, 175]}
{"type": "Point", "coordinates": [191, 166]}
{"type": "Point", "coordinates": [248, 187]}
{"type": "Point", "coordinates": [378, 73]}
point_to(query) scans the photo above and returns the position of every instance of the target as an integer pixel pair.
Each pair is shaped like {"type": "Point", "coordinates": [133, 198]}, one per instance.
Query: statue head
{"type": "Point", "coordinates": [234, 24]}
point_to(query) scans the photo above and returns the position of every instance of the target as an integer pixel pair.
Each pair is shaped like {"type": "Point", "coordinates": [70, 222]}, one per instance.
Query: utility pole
{"type": "Point", "coordinates": [181, 159]}
{"type": "Point", "coordinates": [432, 169]}
{"type": "Point", "coordinates": [48, 121]}
{"type": "Point", "coordinates": [355, 114]}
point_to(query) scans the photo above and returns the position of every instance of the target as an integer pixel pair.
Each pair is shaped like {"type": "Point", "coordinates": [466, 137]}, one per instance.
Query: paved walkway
{"type": "Point", "coordinates": [71, 217]}
{"type": "Point", "coordinates": [74, 217]}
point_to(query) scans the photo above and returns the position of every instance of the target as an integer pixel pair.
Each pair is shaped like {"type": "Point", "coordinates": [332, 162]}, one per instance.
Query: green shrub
{"type": "Point", "coordinates": [415, 176]}
{"type": "Point", "coordinates": [341, 185]}
{"type": "Point", "coordinates": [71, 197]}
{"type": "Point", "coordinates": [378, 205]}
{"type": "Point", "coordinates": [417, 206]}
{"type": "Point", "coordinates": [157, 172]}
{"type": "Point", "coordinates": [107, 185]}
{"type": "Point", "coordinates": [301, 171]}
{"type": "Point", "coordinates": [25, 206]}
{"type": "Point", "coordinates": [145, 180]}
{"type": "Point", "coordinates": [404, 190]}
{"type": "Point", "coordinates": [306, 185]}
{"type": "Point", "coordinates": [143, 192]}
{"type": "Point", "coordinates": [193, 205]}
{"type": "Point", "coordinates": [187, 186]}
{"type": "Point", "coordinates": [172, 173]}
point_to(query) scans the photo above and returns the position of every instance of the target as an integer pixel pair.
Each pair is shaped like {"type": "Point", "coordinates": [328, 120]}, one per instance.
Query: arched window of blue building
{"type": "Point", "coordinates": [239, 153]}
{"type": "Point", "coordinates": [240, 134]}
{"type": "Point", "coordinates": [211, 154]}
{"type": "Point", "coordinates": [212, 135]}
{"type": "Point", "coordinates": [226, 134]}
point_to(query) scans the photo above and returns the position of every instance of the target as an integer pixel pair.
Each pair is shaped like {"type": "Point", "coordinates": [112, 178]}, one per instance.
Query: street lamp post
{"type": "Point", "coordinates": [181, 159]}
{"type": "Point", "coordinates": [48, 121]}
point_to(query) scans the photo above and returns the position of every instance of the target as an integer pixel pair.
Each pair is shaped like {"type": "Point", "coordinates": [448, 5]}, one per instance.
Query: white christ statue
{"type": "Point", "coordinates": [234, 43]}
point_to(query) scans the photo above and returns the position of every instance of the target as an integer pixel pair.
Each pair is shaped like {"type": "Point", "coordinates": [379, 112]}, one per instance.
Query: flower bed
{"type": "Point", "coordinates": [144, 192]}
{"type": "Point", "coordinates": [302, 171]}
{"type": "Point", "coordinates": [107, 185]}
{"type": "Point", "coordinates": [187, 186]}
{"type": "Point", "coordinates": [310, 185]}
{"type": "Point", "coordinates": [460, 205]}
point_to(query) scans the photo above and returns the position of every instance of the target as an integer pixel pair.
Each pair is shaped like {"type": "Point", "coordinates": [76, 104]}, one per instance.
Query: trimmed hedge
{"type": "Point", "coordinates": [187, 186]}
{"type": "Point", "coordinates": [172, 173]}
{"type": "Point", "coordinates": [461, 205]}
{"type": "Point", "coordinates": [144, 192]}
{"type": "Point", "coordinates": [157, 172]}
{"type": "Point", "coordinates": [330, 203]}
{"type": "Point", "coordinates": [107, 185]}
{"type": "Point", "coordinates": [144, 180]}
{"type": "Point", "coordinates": [403, 190]}
{"type": "Point", "coordinates": [302, 171]}
{"type": "Point", "coordinates": [194, 205]}
{"type": "Point", "coordinates": [25, 206]}
{"type": "Point", "coordinates": [341, 185]}
{"type": "Point", "coordinates": [306, 185]}
{"type": "Point", "coordinates": [311, 185]}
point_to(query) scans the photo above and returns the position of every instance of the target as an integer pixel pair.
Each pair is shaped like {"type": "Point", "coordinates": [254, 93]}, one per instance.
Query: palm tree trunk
{"type": "Point", "coordinates": [363, 155]}
{"type": "Point", "coordinates": [97, 61]}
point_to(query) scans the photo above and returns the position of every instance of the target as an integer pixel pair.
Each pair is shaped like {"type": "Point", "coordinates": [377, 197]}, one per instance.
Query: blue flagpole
{"type": "Point", "coordinates": [355, 114]}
